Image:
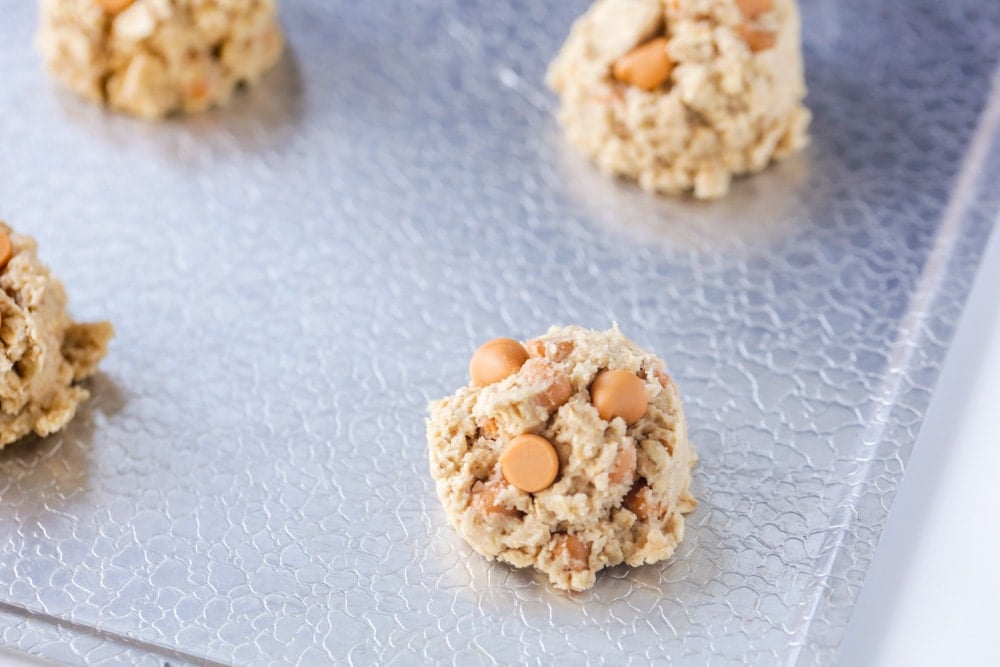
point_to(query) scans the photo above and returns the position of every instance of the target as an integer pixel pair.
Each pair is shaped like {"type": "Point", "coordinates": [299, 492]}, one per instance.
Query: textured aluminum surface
{"type": "Point", "coordinates": [293, 278]}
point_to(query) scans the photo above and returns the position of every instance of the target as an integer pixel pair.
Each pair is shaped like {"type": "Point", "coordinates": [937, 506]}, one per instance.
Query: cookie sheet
{"type": "Point", "coordinates": [292, 278]}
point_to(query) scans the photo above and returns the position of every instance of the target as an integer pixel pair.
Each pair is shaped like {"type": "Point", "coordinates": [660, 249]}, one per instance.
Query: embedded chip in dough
{"type": "Point", "coordinates": [150, 58]}
{"type": "Point", "coordinates": [621, 490]}
{"type": "Point", "coordinates": [43, 353]}
{"type": "Point", "coordinates": [682, 95]}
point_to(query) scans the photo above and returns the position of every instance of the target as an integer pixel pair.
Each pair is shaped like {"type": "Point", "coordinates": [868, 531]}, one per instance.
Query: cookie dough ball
{"type": "Point", "coordinates": [154, 57]}
{"type": "Point", "coordinates": [43, 353]}
{"type": "Point", "coordinates": [682, 95]}
{"type": "Point", "coordinates": [575, 460]}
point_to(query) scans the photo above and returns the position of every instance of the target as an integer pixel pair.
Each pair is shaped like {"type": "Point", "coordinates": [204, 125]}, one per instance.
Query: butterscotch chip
{"type": "Point", "coordinates": [619, 394]}
{"type": "Point", "coordinates": [6, 250]}
{"type": "Point", "coordinates": [530, 474]}
{"type": "Point", "coordinates": [489, 428]}
{"type": "Point", "coordinates": [573, 550]}
{"type": "Point", "coordinates": [554, 350]}
{"type": "Point", "coordinates": [114, 6]}
{"type": "Point", "coordinates": [564, 348]}
{"type": "Point", "coordinates": [638, 501]}
{"type": "Point", "coordinates": [486, 500]}
{"type": "Point", "coordinates": [754, 8]}
{"type": "Point", "coordinates": [495, 360]}
{"type": "Point", "coordinates": [530, 463]}
{"type": "Point", "coordinates": [758, 40]}
{"type": "Point", "coordinates": [647, 66]}
{"type": "Point", "coordinates": [623, 469]}
{"type": "Point", "coordinates": [554, 388]}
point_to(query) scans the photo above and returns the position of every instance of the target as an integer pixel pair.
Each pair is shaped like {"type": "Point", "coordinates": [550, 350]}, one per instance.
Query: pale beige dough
{"type": "Point", "coordinates": [43, 353]}
{"type": "Point", "coordinates": [157, 57]}
{"type": "Point", "coordinates": [724, 111]}
{"type": "Point", "coordinates": [600, 462]}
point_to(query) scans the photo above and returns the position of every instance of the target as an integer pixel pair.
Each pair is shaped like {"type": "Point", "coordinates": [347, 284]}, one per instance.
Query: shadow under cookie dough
{"type": "Point", "coordinates": [759, 208]}
{"type": "Point", "coordinates": [38, 475]}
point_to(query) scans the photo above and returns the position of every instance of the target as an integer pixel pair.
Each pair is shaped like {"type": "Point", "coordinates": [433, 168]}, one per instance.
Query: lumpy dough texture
{"type": "Point", "coordinates": [731, 102]}
{"type": "Point", "coordinates": [621, 491]}
{"type": "Point", "coordinates": [155, 57]}
{"type": "Point", "coordinates": [44, 353]}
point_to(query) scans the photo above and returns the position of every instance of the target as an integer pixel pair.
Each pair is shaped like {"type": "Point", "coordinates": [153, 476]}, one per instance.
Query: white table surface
{"type": "Point", "coordinates": [932, 593]}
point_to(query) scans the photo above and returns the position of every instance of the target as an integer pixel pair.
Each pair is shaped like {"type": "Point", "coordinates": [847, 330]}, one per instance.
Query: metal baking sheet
{"type": "Point", "coordinates": [293, 277]}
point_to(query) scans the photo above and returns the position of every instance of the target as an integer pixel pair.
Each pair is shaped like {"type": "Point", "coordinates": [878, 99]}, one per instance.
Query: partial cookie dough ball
{"type": "Point", "coordinates": [43, 353]}
{"type": "Point", "coordinates": [151, 58]}
{"type": "Point", "coordinates": [682, 95]}
{"type": "Point", "coordinates": [577, 459]}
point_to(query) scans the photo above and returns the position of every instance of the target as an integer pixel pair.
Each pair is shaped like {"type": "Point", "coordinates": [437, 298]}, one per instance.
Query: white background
{"type": "Point", "coordinates": [932, 596]}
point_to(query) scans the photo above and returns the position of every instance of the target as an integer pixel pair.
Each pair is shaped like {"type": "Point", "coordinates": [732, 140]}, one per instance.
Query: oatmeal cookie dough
{"type": "Point", "coordinates": [682, 95]}
{"type": "Point", "coordinates": [43, 353]}
{"type": "Point", "coordinates": [151, 58]}
{"type": "Point", "coordinates": [568, 453]}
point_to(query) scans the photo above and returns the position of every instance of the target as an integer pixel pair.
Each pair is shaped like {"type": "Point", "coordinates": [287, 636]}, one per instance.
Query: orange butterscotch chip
{"type": "Point", "coordinates": [486, 501]}
{"type": "Point", "coordinates": [754, 8]}
{"type": "Point", "coordinates": [647, 66]}
{"type": "Point", "coordinates": [758, 40]}
{"type": "Point", "coordinates": [576, 551]}
{"type": "Point", "coordinates": [553, 385]}
{"type": "Point", "coordinates": [639, 502]}
{"type": "Point", "coordinates": [6, 250]}
{"type": "Point", "coordinates": [114, 6]}
{"type": "Point", "coordinates": [490, 428]}
{"type": "Point", "coordinates": [198, 89]}
{"type": "Point", "coordinates": [623, 469]}
{"type": "Point", "coordinates": [530, 463]}
{"type": "Point", "coordinates": [562, 350]}
{"type": "Point", "coordinates": [495, 360]}
{"type": "Point", "coordinates": [619, 394]}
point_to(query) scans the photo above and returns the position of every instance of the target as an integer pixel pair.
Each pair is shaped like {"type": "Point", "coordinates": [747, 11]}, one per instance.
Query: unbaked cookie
{"type": "Point", "coordinates": [43, 353]}
{"type": "Point", "coordinates": [568, 453]}
{"type": "Point", "coordinates": [682, 95]}
{"type": "Point", "coordinates": [154, 57]}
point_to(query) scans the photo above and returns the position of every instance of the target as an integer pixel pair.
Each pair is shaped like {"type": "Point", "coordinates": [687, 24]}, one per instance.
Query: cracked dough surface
{"type": "Point", "coordinates": [157, 57]}
{"type": "Point", "coordinates": [43, 353]}
{"type": "Point", "coordinates": [583, 522]}
{"type": "Point", "coordinates": [726, 110]}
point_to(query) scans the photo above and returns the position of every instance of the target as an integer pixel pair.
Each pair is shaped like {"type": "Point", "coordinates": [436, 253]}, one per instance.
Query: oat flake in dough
{"type": "Point", "coordinates": [583, 522]}
{"type": "Point", "coordinates": [156, 57]}
{"type": "Point", "coordinates": [725, 109]}
{"type": "Point", "coordinates": [43, 353]}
